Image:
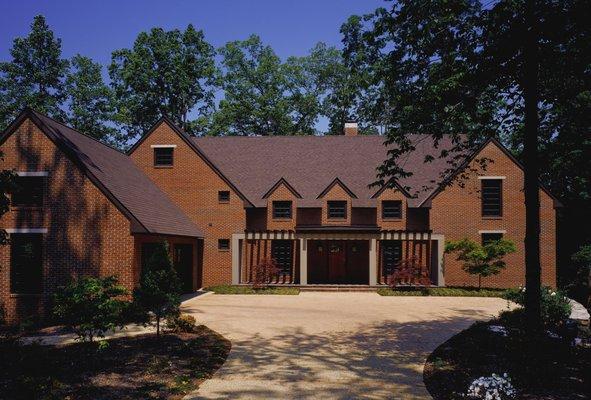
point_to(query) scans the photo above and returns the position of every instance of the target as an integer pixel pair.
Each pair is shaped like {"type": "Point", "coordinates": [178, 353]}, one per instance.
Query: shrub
{"type": "Point", "coordinates": [182, 323]}
{"type": "Point", "coordinates": [264, 272]}
{"type": "Point", "coordinates": [494, 387]}
{"type": "Point", "coordinates": [159, 289]}
{"type": "Point", "coordinates": [480, 260]}
{"type": "Point", "coordinates": [555, 306]}
{"type": "Point", "coordinates": [91, 306]}
{"type": "Point", "coordinates": [582, 261]}
{"type": "Point", "coordinates": [410, 272]}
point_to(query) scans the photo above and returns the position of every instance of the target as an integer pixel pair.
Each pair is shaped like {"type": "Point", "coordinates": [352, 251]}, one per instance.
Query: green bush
{"type": "Point", "coordinates": [91, 306]}
{"type": "Point", "coordinates": [182, 323]}
{"type": "Point", "coordinates": [555, 305]}
{"type": "Point", "coordinates": [159, 289]}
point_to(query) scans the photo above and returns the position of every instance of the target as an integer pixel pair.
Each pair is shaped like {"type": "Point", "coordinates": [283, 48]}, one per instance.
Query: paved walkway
{"type": "Point", "coordinates": [330, 345]}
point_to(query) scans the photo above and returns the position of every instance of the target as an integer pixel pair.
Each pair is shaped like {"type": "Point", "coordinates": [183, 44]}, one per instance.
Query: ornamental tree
{"type": "Point", "coordinates": [482, 260]}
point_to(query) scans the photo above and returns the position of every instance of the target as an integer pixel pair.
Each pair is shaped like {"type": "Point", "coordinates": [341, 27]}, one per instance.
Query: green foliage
{"type": "Point", "coordinates": [444, 291]}
{"type": "Point", "coordinates": [232, 289]}
{"type": "Point", "coordinates": [555, 306]}
{"type": "Point", "coordinates": [159, 289]}
{"type": "Point", "coordinates": [481, 260]}
{"type": "Point", "coordinates": [7, 184]}
{"type": "Point", "coordinates": [169, 73]}
{"type": "Point", "coordinates": [35, 75]}
{"type": "Point", "coordinates": [91, 104]}
{"type": "Point", "coordinates": [91, 306]}
{"type": "Point", "coordinates": [182, 323]}
{"type": "Point", "coordinates": [582, 284]}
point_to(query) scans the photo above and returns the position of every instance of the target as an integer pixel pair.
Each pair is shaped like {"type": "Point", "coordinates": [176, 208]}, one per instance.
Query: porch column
{"type": "Point", "coordinates": [236, 257]}
{"type": "Point", "coordinates": [373, 265]}
{"type": "Point", "coordinates": [303, 261]}
{"type": "Point", "coordinates": [437, 256]}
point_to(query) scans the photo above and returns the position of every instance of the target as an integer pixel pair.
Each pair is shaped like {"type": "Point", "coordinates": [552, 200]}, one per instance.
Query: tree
{"type": "Point", "coordinates": [168, 73]}
{"type": "Point", "coordinates": [159, 288]}
{"type": "Point", "coordinates": [91, 306]}
{"type": "Point", "coordinates": [482, 260]}
{"type": "Point", "coordinates": [7, 184]}
{"type": "Point", "coordinates": [582, 261]}
{"type": "Point", "coordinates": [91, 104]}
{"type": "Point", "coordinates": [35, 75]}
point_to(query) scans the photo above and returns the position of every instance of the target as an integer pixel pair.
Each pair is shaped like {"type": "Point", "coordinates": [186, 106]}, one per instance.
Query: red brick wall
{"type": "Point", "coordinates": [394, 224]}
{"type": "Point", "coordinates": [456, 213]}
{"type": "Point", "coordinates": [87, 235]}
{"type": "Point", "coordinates": [193, 186]}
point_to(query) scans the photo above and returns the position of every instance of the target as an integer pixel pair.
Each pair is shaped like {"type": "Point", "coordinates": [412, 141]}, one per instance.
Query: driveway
{"type": "Point", "coordinates": [337, 345]}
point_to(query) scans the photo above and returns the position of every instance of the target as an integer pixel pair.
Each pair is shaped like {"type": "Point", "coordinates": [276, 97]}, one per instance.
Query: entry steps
{"type": "Point", "coordinates": [337, 288]}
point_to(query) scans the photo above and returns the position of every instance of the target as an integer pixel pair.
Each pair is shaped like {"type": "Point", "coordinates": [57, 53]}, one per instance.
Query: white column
{"type": "Point", "coordinates": [440, 239]}
{"type": "Point", "coordinates": [373, 262]}
{"type": "Point", "coordinates": [236, 258]}
{"type": "Point", "coordinates": [303, 261]}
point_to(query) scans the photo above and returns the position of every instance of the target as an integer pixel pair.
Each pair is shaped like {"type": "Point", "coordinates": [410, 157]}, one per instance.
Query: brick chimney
{"type": "Point", "coordinates": [351, 129]}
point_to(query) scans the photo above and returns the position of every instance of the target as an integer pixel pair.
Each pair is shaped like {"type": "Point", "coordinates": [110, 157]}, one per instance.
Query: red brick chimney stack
{"type": "Point", "coordinates": [351, 129]}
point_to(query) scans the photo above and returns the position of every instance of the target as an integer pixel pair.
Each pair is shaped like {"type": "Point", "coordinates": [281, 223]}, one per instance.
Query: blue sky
{"type": "Point", "coordinates": [96, 28]}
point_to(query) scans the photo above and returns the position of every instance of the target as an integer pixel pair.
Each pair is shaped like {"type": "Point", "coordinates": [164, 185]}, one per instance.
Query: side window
{"type": "Point", "coordinates": [223, 244]}
{"type": "Point", "coordinates": [163, 156]}
{"type": "Point", "coordinates": [28, 191]}
{"type": "Point", "coordinates": [492, 197]}
{"type": "Point", "coordinates": [490, 237]}
{"type": "Point", "coordinates": [224, 196]}
{"type": "Point", "coordinates": [26, 270]}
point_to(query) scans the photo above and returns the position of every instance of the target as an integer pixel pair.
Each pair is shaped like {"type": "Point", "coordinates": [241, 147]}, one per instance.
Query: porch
{"type": "Point", "coordinates": [333, 257]}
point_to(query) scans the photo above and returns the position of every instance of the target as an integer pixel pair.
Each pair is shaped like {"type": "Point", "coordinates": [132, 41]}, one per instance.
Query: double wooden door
{"type": "Point", "coordinates": [338, 262]}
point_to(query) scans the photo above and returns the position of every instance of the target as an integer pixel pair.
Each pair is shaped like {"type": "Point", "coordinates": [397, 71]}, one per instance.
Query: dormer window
{"type": "Point", "coordinates": [28, 191]}
{"type": "Point", "coordinates": [282, 209]}
{"type": "Point", "coordinates": [391, 209]}
{"type": "Point", "coordinates": [163, 155]}
{"type": "Point", "coordinates": [337, 209]}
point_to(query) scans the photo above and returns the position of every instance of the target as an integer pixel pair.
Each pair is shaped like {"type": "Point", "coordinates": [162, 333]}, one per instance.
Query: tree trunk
{"type": "Point", "coordinates": [531, 173]}
{"type": "Point", "coordinates": [479, 282]}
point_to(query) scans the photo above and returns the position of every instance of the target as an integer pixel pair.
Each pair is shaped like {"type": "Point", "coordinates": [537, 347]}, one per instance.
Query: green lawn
{"type": "Point", "coordinates": [232, 289]}
{"type": "Point", "coordinates": [443, 291]}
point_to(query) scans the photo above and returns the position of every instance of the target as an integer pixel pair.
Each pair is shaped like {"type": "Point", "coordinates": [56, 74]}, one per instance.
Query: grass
{"type": "Point", "coordinates": [443, 291]}
{"type": "Point", "coordinates": [234, 289]}
{"type": "Point", "coordinates": [551, 369]}
{"type": "Point", "coordinates": [141, 367]}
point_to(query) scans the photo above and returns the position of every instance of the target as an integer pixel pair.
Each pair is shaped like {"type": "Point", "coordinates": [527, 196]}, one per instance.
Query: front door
{"type": "Point", "coordinates": [337, 271]}
{"type": "Point", "coordinates": [183, 264]}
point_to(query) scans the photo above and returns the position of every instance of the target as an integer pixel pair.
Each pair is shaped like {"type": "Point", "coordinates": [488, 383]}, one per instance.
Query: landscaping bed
{"type": "Point", "coordinates": [553, 370]}
{"type": "Point", "coordinates": [140, 367]}
{"type": "Point", "coordinates": [237, 289]}
{"type": "Point", "coordinates": [442, 291]}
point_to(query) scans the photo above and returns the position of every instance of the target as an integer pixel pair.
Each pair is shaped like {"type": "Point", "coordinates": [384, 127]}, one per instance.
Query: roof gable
{"type": "Point", "coordinates": [283, 182]}
{"type": "Point", "coordinates": [391, 184]}
{"type": "Point", "coordinates": [336, 181]}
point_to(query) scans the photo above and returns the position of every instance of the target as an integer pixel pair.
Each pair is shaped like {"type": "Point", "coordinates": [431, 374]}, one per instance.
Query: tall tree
{"type": "Point", "coordinates": [168, 73]}
{"type": "Point", "coordinates": [35, 76]}
{"type": "Point", "coordinates": [90, 102]}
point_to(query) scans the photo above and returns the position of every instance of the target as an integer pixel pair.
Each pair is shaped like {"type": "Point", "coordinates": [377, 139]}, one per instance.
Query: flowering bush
{"type": "Point", "coordinates": [556, 307]}
{"type": "Point", "coordinates": [493, 387]}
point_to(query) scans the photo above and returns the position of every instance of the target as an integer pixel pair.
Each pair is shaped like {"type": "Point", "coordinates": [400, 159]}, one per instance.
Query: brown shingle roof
{"type": "Point", "coordinates": [311, 163]}
{"type": "Point", "coordinates": [148, 208]}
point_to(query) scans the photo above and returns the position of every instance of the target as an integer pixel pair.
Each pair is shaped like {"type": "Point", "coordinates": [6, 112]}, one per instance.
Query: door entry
{"type": "Point", "coordinates": [338, 262]}
{"type": "Point", "coordinates": [183, 264]}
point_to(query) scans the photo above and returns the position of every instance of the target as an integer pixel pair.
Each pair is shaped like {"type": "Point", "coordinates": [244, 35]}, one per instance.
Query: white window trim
{"type": "Point", "coordinates": [163, 146]}
{"type": "Point", "coordinates": [26, 230]}
{"type": "Point", "coordinates": [493, 231]}
{"type": "Point", "coordinates": [32, 173]}
{"type": "Point", "coordinates": [492, 177]}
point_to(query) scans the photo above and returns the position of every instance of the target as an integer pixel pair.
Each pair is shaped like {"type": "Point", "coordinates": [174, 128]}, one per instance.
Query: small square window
{"type": "Point", "coordinates": [163, 156]}
{"type": "Point", "coordinates": [28, 191]}
{"type": "Point", "coordinates": [224, 196]}
{"type": "Point", "coordinates": [491, 237]}
{"type": "Point", "coordinates": [337, 209]}
{"type": "Point", "coordinates": [282, 209]}
{"type": "Point", "coordinates": [223, 244]}
{"type": "Point", "coordinates": [391, 209]}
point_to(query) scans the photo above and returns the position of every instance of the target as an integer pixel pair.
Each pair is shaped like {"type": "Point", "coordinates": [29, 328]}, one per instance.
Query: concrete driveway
{"type": "Point", "coordinates": [337, 345]}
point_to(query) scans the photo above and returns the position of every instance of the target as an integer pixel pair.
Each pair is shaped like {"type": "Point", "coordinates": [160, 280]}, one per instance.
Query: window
{"type": "Point", "coordinates": [223, 244]}
{"type": "Point", "coordinates": [391, 256]}
{"type": "Point", "coordinates": [163, 156]}
{"type": "Point", "coordinates": [28, 191]}
{"type": "Point", "coordinates": [490, 237]}
{"type": "Point", "coordinates": [224, 196]}
{"type": "Point", "coordinates": [282, 209]}
{"type": "Point", "coordinates": [281, 253]}
{"type": "Point", "coordinates": [391, 209]}
{"type": "Point", "coordinates": [26, 263]}
{"type": "Point", "coordinates": [337, 210]}
{"type": "Point", "coordinates": [492, 197]}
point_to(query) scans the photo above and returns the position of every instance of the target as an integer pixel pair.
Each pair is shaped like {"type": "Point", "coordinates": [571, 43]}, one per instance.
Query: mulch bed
{"type": "Point", "coordinates": [141, 367]}
{"type": "Point", "coordinates": [551, 370]}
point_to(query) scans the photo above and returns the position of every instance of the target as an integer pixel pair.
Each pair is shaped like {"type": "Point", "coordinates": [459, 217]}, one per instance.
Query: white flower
{"type": "Point", "coordinates": [553, 294]}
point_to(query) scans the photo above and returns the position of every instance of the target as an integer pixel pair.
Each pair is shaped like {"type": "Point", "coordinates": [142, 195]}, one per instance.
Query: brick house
{"type": "Point", "coordinates": [226, 203]}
